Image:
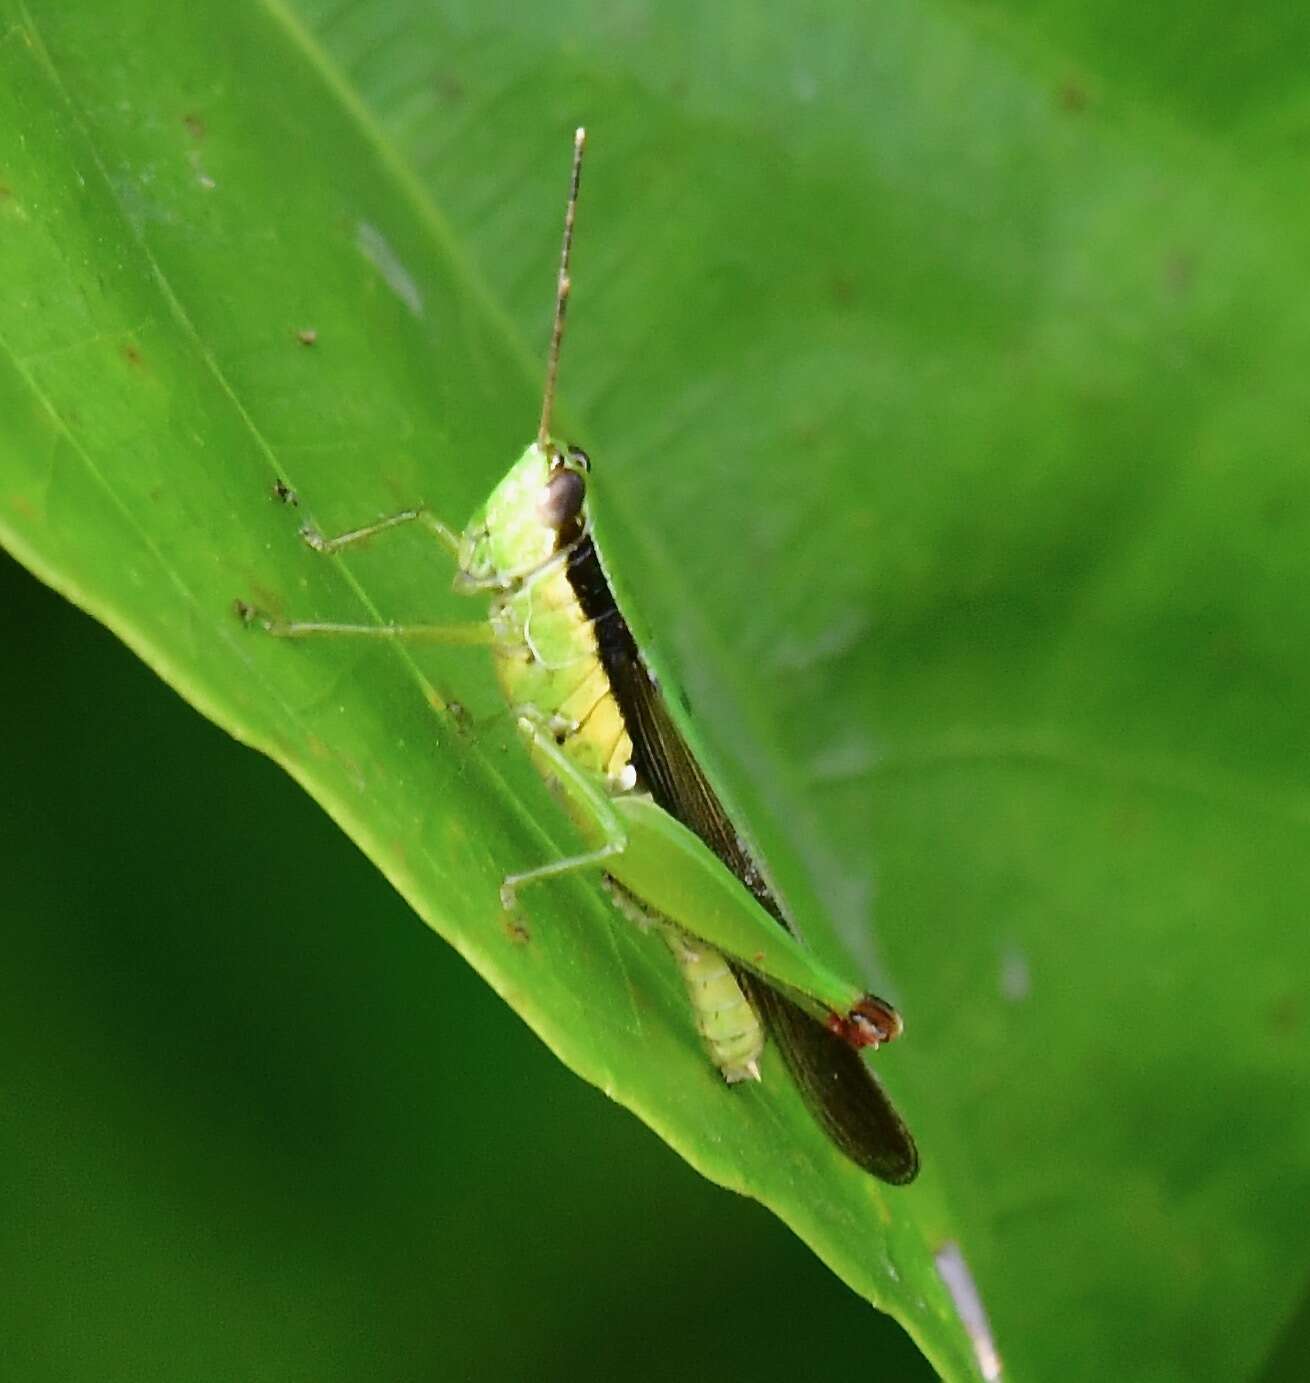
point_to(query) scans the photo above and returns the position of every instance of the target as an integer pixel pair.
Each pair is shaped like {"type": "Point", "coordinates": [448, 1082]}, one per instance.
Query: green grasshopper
{"type": "Point", "coordinates": [599, 730]}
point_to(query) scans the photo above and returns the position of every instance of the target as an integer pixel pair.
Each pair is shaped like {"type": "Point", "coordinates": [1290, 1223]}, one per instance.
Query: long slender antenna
{"type": "Point", "coordinates": [561, 291]}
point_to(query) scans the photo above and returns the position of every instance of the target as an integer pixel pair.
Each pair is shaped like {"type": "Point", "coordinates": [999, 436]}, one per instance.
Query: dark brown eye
{"type": "Point", "coordinates": [576, 454]}
{"type": "Point", "coordinates": [561, 503]}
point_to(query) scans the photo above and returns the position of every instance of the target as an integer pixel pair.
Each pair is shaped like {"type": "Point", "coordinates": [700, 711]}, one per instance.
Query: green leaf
{"type": "Point", "coordinates": [941, 370]}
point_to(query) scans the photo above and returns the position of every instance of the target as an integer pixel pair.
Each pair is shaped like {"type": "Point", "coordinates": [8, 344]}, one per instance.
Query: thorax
{"type": "Point", "coordinates": [549, 664]}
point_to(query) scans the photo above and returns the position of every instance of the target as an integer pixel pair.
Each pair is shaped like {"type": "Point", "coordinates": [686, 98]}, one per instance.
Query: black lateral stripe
{"type": "Point", "coordinates": [665, 765]}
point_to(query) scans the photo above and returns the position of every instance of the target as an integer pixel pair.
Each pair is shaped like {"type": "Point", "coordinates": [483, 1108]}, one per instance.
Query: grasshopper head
{"type": "Point", "coordinates": [538, 509]}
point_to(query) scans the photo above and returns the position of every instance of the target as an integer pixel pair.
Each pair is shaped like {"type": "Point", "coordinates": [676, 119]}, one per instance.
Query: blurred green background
{"type": "Point", "coordinates": [259, 1123]}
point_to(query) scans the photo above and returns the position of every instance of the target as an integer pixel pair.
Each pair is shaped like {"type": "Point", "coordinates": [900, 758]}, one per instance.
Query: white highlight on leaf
{"type": "Point", "coordinates": [844, 760]}
{"type": "Point", "coordinates": [374, 247]}
{"type": "Point", "coordinates": [1016, 981]}
{"type": "Point", "coordinates": [954, 1272]}
{"type": "Point", "coordinates": [844, 632]}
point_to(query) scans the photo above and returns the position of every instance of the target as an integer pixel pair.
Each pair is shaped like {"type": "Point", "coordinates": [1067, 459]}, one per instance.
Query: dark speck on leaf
{"type": "Point", "coordinates": [449, 87]}
{"type": "Point", "coordinates": [1179, 269]}
{"type": "Point", "coordinates": [284, 492]}
{"type": "Point", "coordinates": [843, 290]}
{"type": "Point", "coordinates": [1072, 96]}
{"type": "Point", "coordinates": [1286, 1014]}
{"type": "Point", "coordinates": [195, 126]}
{"type": "Point", "coordinates": [131, 355]}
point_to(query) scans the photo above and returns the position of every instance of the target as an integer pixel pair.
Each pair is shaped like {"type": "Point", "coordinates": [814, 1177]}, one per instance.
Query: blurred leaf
{"type": "Point", "coordinates": [948, 356]}
{"type": "Point", "coordinates": [242, 1133]}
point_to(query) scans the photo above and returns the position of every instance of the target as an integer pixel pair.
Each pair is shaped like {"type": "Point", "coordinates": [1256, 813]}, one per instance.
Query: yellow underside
{"type": "Point", "coordinates": [546, 658]}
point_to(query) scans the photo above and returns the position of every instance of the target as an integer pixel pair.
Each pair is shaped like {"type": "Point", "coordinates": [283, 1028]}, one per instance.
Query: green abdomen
{"type": "Point", "coordinates": [725, 1019]}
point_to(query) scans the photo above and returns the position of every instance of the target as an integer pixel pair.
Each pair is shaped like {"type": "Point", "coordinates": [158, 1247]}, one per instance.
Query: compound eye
{"type": "Point", "coordinates": [580, 458]}
{"type": "Point", "coordinates": [561, 500]}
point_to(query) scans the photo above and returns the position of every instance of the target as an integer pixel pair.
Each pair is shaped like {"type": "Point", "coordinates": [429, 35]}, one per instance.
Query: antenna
{"type": "Point", "coordinates": [561, 291]}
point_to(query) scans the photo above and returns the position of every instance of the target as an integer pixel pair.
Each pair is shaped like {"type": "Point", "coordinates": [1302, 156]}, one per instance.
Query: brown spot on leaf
{"type": "Point", "coordinates": [195, 126]}
{"type": "Point", "coordinates": [1179, 270]}
{"type": "Point", "coordinates": [1286, 1014]}
{"type": "Point", "coordinates": [460, 716]}
{"type": "Point", "coordinates": [1071, 96]}
{"type": "Point", "coordinates": [449, 87]}
{"type": "Point", "coordinates": [517, 932]}
{"type": "Point", "coordinates": [842, 289]}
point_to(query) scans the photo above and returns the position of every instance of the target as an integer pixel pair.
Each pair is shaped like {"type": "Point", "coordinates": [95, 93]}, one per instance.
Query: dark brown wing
{"type": "Point", "coordinates": [839, 1088]}
{"type": "Point", "coordinates": [665, 765]}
